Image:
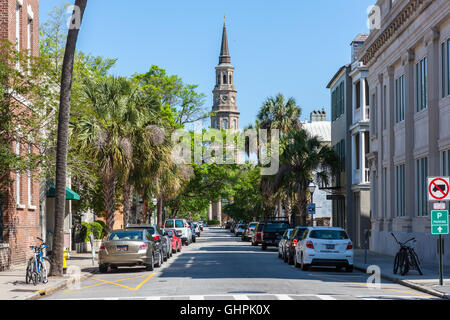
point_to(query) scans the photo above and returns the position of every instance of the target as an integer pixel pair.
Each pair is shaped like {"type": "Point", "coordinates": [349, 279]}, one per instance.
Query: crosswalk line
{"type": "Point", "coordinates": [241, 297]}
{"type": "Point", "coordinates": [325, 297]}
{"type": "Point", "coordinates": [283, 297]}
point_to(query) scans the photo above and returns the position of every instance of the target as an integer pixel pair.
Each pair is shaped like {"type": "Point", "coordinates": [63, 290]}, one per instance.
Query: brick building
{"type": "Point", "coordinates": [19, 213]}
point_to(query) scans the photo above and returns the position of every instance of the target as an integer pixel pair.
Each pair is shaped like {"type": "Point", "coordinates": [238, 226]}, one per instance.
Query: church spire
{"type": "Point", "coordinates": [224, 52]}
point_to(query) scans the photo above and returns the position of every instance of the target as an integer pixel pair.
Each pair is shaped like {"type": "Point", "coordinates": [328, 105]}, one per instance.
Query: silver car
{"type": "Point", "coordinates": [127, 248]}
{"type": "Point", "coordinates": [248, 233]}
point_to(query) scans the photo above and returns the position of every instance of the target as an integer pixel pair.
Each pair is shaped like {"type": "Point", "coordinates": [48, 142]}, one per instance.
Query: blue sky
{"type": "Point", "coordinates": [288, 46]}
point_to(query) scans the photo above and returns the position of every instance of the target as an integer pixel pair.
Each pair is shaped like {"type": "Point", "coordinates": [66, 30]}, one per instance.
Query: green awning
{"type": "Point", "coordinates": [70, 194]}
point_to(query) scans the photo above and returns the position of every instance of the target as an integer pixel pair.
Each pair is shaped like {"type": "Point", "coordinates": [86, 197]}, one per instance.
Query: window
{"type": "Point", "coordinates": [218, 79]}
{"type": "Point", "coordinates": [230, 82]}
{"type": "Point", "coordinates": [30, 185]}
{"type": "Point", "coordinates": [421, 186]}
{"type": "Point", "coordinates": [18, 189]}
{"type": "Point", "coordinates": [384, 108]}
{"type": "Point", "coordinates": [421, 85]}
{"type": "Point", "coordinates": [384, 192]}
{"type": "Point", "coordinates": [446, 163]}
{"type": "Point", "coordinates": [225, 123]}
{"type": "Point", "coordinates": [225, 79]}
{"type": "Point", "coordinates": [337, 101]}
{"type": "Point", "coordinates": [366, 86]}
{"type": "Point", "coordinates": [445, 68]}
{"type": "Point", "coordinates": [400, 99]}
{"type": "Point", "coordinates": [357, 152]}
{"type": "Point", "coordinates": [400, 190]}
{"type": "Point", "coordinates": [358, 94]}
{"type": "Point", "coordinates": [328, 234]}
{"type": "Point", "coordinates": [235, 124]}
{"type": "Point", "coordinates": [374, 128]}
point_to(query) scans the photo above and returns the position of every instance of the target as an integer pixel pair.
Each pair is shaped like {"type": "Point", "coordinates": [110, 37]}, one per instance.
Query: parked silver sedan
{"type": "Point", "coordinates": [127, 248]}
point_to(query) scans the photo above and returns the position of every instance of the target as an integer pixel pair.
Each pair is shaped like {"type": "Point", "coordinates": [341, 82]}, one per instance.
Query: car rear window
{"type": "Point", "coordinates": [259, 227]}
{"type": "Point", "coordinates": [126, 235]}
{"type": "Point", "coordinates": [271, 227]}
{"type": "Point", "coordinates": [328, 234]}
{"type": "Point", "coordinates": [179, 224]}
{"type": "Point", "coordinates": [252, 225]}
{"type": "Point", "coordinates": [168, 224]}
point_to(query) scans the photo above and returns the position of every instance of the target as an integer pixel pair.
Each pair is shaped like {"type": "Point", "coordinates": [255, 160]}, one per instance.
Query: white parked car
{"type": "Point", "coordinates": [324, 246]}
{"type": "Point", "coordinates": [182, 229]}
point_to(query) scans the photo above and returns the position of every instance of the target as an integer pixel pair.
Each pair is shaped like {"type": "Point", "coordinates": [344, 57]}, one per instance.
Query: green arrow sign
{"type": "Point", "coordinates": [439, 222]}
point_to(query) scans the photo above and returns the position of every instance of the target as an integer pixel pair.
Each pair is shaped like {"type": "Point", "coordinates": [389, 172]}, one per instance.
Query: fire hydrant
{"type": "Point", "coordinates": [66, 255]}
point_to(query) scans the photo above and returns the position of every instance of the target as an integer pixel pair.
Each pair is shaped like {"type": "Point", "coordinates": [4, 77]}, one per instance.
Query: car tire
{"type": "Point", "coordinates": [103, 268]}
{"type": "Point", "coordinates": [304, 266]}
{"type": "Point", "coordinates": [296, 264]}
{"type": "Point", "coordinates": [285, 257]}
{"type": "Point", "coordinates": [279, 254]}
{"type": "Point", "coordinates": [290, 259]}
{"type": "Point", "coordinates": [349, 269]}
{"type": "Point", "coordinates": [263, 247]}
{"type": "Point", "coordinates": [160, 260]}
{"type": "Point", "coordinates": [114, 268]}
{"type": "Point", "coordinates": [151, 266]}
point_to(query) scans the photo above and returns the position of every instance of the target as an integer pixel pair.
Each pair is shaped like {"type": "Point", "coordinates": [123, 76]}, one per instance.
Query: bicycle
{"type": "Point", "coordinates": [406, 258]}
{"type": "Point", "coordinates": [38, 265]}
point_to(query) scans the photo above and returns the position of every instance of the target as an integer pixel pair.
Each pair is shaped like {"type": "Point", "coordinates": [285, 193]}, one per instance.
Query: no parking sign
{"type": "Point", "coordinates": [438, 189]}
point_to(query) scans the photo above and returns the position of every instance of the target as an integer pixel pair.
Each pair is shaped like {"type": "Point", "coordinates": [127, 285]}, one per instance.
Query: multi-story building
{"type": "Point", "coordinates": [19, 212]}
{"type": "Point", "coordinates": [341, 118]}
{"type": "Point", "coordinates": [408, 58]}
{"type": "Point", "coordinates": [359, 130]}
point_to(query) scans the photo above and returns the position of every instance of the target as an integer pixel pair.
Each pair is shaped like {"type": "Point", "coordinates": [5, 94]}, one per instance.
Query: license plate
{"type": "Point", "coordinates": [330, 246]}
{"type": "Point", "coordinates": [122, 248]}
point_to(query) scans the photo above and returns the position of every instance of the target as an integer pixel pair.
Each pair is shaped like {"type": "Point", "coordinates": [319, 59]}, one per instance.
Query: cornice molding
{"type": "Point", "coordinates": [395, 27]}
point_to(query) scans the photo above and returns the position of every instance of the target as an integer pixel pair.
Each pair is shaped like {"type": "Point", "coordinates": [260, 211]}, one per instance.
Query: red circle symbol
{"type": "Point", "coordinates": [438, 187]}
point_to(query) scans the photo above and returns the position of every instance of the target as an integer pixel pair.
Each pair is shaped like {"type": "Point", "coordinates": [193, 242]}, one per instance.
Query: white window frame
{"type": "Point", "coordinates": [18, 180]}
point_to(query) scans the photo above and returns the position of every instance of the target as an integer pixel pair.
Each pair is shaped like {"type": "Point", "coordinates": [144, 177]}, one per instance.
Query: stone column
{"type": "Point", "coordinates": [380, 169]}
{"type": "Point", "coordinates": [390, 121]}
{"type": "Point", "coordinates": [410, 107]}
{"type": "Point", "coordinates": [210, 216]}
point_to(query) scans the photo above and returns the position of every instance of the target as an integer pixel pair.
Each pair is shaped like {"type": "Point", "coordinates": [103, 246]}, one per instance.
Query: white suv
{"type": "Point", "coordinates": [181, 227]}
{"type": "Point", "coordinates": [324, 246]}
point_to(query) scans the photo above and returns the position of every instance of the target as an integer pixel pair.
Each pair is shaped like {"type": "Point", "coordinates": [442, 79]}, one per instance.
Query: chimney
{"type": "Point", "coordinates": [318, 115]}
{"type": "Point", "coordinates": [356, 44]}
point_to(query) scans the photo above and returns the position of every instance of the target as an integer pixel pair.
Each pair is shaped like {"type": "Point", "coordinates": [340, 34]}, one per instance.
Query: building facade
{"type": "Point", "coordinates": [360, 144]}
{"type": "Point", "coordinates": [19, 211]}
{"type": "Point", "coordinates": [408, 59]}
{"type": "Point", "coordinates": [341, 118]}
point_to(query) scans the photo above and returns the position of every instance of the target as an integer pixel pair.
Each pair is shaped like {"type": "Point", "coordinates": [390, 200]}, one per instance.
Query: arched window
{"type": "Point", "coordinates": [231, 79]}
{"type": "Point", "coordinates": [225, 124]}
{"type": "Point", "coordinates": [218, 79]}
{"type": "Point", "coordinates": [234, 124]}
{"type": "Point", "coordinates": [225, 79]}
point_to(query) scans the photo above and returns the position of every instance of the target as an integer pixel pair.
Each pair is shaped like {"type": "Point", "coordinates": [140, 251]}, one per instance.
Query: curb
{"type": "Point", "coordinates": [409, 284]}
{"type": "Point", "coordinates": [59, 286]}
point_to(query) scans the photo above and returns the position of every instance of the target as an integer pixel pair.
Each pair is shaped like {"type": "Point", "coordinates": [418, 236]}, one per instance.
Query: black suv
{"type": "Point", "coordinates": [272, 233]}
{"type": "Point", "coordinates": [292, 242]}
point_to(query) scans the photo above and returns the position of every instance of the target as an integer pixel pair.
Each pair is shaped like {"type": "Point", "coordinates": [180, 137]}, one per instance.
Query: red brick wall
{"type": "Point", "coordinates": [21, 225]}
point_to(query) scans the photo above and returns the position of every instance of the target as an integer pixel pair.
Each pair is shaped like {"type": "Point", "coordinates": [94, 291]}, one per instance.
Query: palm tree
{"type": "Point", "coordinates": [106, 135]}
{"type": "Point", "coordinates": [62, 140]}
{"type": "Point", "coordinates": [304, 159]}
{"type": "Point", "coordinates": [277, 113]}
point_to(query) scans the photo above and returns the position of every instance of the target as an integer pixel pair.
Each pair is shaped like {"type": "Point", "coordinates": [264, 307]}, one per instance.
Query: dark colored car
{"type": "Point", "coordinates": [272, 233]}
{"type": "Point", "coordinates": [227, 225]}
{"type": "Point", "coordinates": [239, 229]}
{"type": "Point", "coordinates": [164, 243]}
{"type": "Point", "coordinates": [282, 246]}
{"type": "Point", "coordinates": [291, 243]}
{"type": "Point", "coordinates": [257, 235]}
{"type": "Point", "coordinates": [233, 225]}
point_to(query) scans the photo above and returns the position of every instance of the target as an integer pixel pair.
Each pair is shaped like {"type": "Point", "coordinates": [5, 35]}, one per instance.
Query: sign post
{"type": "Point", "coordinates": [439, 226]}
{"type": "Point", "coordinates": [439, 190]}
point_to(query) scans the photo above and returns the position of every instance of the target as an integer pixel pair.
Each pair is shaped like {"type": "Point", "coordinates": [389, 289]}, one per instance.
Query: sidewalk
{"type": "Point", "coordinates": [13, 286]}
{"type": "Point", "coordinates": [428, 283]}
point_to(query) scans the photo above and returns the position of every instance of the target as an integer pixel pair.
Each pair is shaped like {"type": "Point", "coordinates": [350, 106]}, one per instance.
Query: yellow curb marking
{"type": "Point", "coordinates": [103, 282]}
{"type": "Point", "coordinates": [126, 287]}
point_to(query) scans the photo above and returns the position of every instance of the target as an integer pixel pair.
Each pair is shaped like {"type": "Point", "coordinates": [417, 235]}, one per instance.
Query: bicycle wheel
{"type": "Point", "coordinates": [28, 275]}
{"type": "Point", "coordinates": [44, 268]}
{"type": "Point", "coordinates": [415, 261]}
{"type": "Point", "coordinates": [34, 273]}
{"type": "Point", "coordinates": [404, 264]}
{"type": "Point", "coordinates": [397, 262]}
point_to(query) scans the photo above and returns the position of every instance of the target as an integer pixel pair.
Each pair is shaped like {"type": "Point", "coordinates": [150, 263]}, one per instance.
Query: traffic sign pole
{"type": "Point", "coordinates": [441, 267]}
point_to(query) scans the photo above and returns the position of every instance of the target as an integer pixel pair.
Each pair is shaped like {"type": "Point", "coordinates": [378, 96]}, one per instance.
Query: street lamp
{"type": "Point", "coordinates": [311, 188]}
{"type": "Point", "coordinates": [155, 202]}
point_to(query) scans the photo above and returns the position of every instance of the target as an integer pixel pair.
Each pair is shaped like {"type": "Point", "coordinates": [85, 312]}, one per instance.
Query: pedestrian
{"type": "Point", "coordinates": [91, 240]}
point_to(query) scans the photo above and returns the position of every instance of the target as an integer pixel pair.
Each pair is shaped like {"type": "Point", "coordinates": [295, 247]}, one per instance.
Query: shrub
{"type": "Point", "coordinates": [213, 222]}
{"type": "Point", "coordinates": [103, 224]}
{"type": "Point", "coordinates": [97, 228]}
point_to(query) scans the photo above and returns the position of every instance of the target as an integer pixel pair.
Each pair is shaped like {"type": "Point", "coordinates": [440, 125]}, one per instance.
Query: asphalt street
{"type": "Point", "coordinates": [220, 266]}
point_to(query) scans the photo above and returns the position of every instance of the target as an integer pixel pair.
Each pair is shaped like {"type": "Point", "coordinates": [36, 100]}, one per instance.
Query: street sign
{"type": "Point", "coordinates": [439, 206]}
{"type": "Point", "coordinates": [438, 188]}
{"type": "Point", "coordinates": [439, 222]}
{"type": "Point", "coordinates": [312, 208]}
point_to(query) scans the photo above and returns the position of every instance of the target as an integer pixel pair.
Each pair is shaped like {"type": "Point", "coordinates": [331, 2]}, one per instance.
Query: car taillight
{"type": "Point", "coordinates": [185, 225]}
{"type": "Point", "coordinates": [294, 242]}
{"type": "Point", "coordinates": [350, 246]}
{"type": "Point", "coordinates": [156, 237]}
{"type": "Point", "coordinates": [309, 244]}
{"type": "Point", "coordinates": [143, 246]}
{"type": "Point", "coordinates": [102, 247]}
